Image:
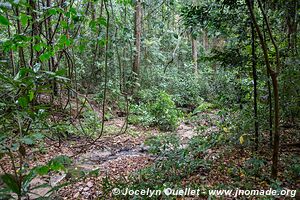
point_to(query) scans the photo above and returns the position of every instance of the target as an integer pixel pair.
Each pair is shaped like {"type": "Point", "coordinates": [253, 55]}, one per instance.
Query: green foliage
{"type": "Point", "coordinates": [141, 114]}
{"type": "Point", "coordinates": [21, 184]}
{"type": "Point", "coordinates": [157, 110]}
{"type": "Point", "coordinates": [4, 20]}
{"type": "Point", "coordinates": [254, 166]}
{"type": "Point", "coordinates": [73, 44]}
{"type": "Point", "coordinates": [204, 106]}
{"type": "Point", "coordinates": [22, 123]}
{"type": "Point", "coordinates": [162, 144]}
{"type": "Point", "coordinates": [187, 90]}
{"type": "Point", "coordinates": [293, 168]}
{"type": "Point", "coordinates": [165, 113]}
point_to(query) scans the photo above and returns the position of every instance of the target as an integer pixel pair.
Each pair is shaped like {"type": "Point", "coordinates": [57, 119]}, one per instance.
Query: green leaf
{"type": "Point", "coordinates": [30, 95]}
{"type": "Point", "coordinates": [102, 21]}
{"type": "Point", "coordinates": [64, 40]}
{"type": "Point", "coordinates": [22, 72]}
{"type": "Point", "coordinates": [42, 170]}
{"type": "Point", "coordinates": [81, 48]}
{"type": "Point", "coordinates": [39, 46]}
{"type": "Point", "coordinates": [92, 24]}
{"type": "Point", "coordinates": [11, 182]}
{"type": "Point", "coordinates": [52, 11]}
{"type": "Point", "coordinates": [38, 136]}
{"type": "Point", "coordinates": [23, 102]}
{"type": "Point", "coordinates": [27, 140]}
{"type": "Point", "coordinates": [60, 72]}
{"type": "Point", "coordinates": [24, 19]}
{"type": "Point", "coordinates": [94, 172]}
{"type": "Point", "coordinates": [64, 24]}
{"type": "Point", "coordinates": [45, 56]}
{"type": "Point", "coordinates": [59, 162]}
{"type": "Point", "coordinates": [56, 166]}
{"type": "Point", "coordinates": [4, 20]}
{"type": "Point", "coordinates": [68, 42]}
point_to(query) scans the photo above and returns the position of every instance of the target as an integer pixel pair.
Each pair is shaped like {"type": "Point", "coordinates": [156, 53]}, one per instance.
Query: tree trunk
{"type": "Point", "coordinates": [291, 21]}
{"type": "Point", "coordinates": [21, 50]}
{"type": "Point", "coordinates": [270, 112]}
{"type": "Point", "coordinates": [137, 33]}
{"type": "Point", "coordinates": [205, 40]}
{"type": "Point", "coordinates": [273, 74]}
{"type": "Point", "coordinates": [11, 53]}
{"type": "Point", "coordinates": [194, 54]}
{"type": "Point", "coordinates": [276, 126]}
{"type": "Point", "coordinates": [254, 74]}
{"type": "Point", "coordinates": [34, 32]}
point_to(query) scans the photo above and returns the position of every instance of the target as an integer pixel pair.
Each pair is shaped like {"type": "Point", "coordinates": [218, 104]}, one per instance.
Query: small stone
{"type": "Point", "coordinates": [76, 195]}
{"type": "Point", "coordinates": [86, 194]}
{"type": "Point", "coordinates": [90, 184]}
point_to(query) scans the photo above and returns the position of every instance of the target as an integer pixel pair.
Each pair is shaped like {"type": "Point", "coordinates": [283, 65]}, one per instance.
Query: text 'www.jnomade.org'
{"type": "Point", "coordinates": [198, 192]}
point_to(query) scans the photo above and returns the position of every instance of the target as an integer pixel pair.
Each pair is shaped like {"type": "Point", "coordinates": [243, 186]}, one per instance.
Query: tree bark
{"type": "Point", "coordinates": [194, 54]}
{"type": "Point", "coordinates": [205, 40]}
{"type": "Point", "coordinates": [254, 74]}
{"type": "Point", "coordinates": [21, 50]}
{"type": "Point", "coordinates": [34, 31]}
{"type": "Point", "coordinates": [137, 43]}
{"type": "Point", "coordinates": [11, 53]}
{"type": "Point", "coordinates": [269, 93]}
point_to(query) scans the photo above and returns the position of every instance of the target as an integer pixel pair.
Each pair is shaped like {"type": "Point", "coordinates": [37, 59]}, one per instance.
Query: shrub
{"type": "Point", "coordinates": [165, 113]}
{"type": "Point", "coordinates": [159, 110]}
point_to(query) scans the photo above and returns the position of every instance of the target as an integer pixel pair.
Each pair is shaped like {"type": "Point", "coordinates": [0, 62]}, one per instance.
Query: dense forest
{"type": "Point", "coordinates": [149, 99]}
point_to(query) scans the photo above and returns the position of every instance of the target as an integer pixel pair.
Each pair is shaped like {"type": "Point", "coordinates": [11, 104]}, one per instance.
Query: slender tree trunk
{"type": "Point", "coordinates": [21, 50]}
{"type": "Point", "coordinates": [137, 33]}
{"type": "Point", "coordinates": [254, 74]}
{"type": "Point", "coordinates": [35, 31]}
{"type": "Point", "coordinates": [194, 54]}
{"type": "Point", "coordinates": [296, 27]}
{"type": "Point", "coordinates": [276, 125]}
{"type": "Point", "coordinates": [270, 111]}
{"type": "Point", "coordinates": [11, 53]}
{"type": "Point", "coordinates": [105, 68]}
{"type": "Point", "coordinates": [273, 75]}
{"type": "Point", "coordinates": [291, 21]}
{"type": "Point", "coordinates": [205, 40]}
{"type": "Point", "coordinates": [97, 46]}
{"type": "Point", "coordinates": [269, 93]}
{"type": "Point", "coordinates": [52, 65]}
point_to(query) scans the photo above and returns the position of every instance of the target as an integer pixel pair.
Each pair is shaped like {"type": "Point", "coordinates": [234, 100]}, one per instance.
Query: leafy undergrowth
{"type": "Point", "coordinates": [208, 162]}
{"type": "Point", "coordinates": [210, 159]}
{"type": "Point", "coordinates": [79, 179]}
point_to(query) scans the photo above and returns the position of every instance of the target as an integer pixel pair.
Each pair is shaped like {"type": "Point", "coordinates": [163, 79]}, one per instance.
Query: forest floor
{"type": "Point", "coordinates": [116, 156]}
{"type": "Point", "coordinates": [112, 155]}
